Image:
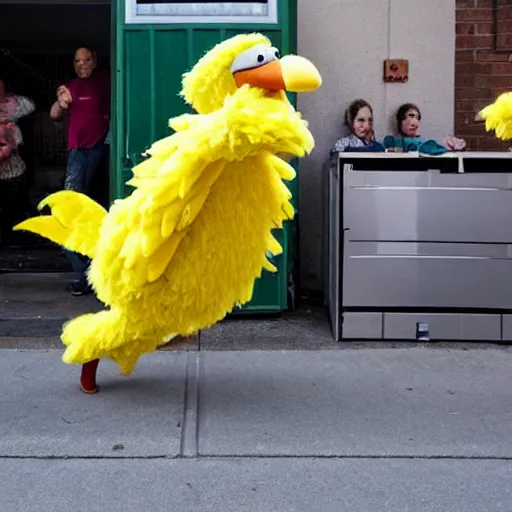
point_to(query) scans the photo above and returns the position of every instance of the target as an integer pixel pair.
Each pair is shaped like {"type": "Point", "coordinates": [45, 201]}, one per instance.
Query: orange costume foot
{"type": "Point", "coordinates": [88, 377]}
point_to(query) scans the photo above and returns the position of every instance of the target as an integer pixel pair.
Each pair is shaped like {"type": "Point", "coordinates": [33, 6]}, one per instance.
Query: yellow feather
{"type": "Point", "coordinates": [74, 222]}
{"type": "Point", "coordinates": [151, 240]}
{"type": "Point", "coordinates": [498, 116]}
{"type": "Point", "coordinates": [159, 261]}
{"type": "Point", "coordinates": [285, 170]}
{"type": "Point", "coordinates": [288, 209]}
{"type": "Point", "coordinates": [269, 266]}
{"type": "Point", "coordinates": [131, 251]}
{"type": "Point", "coordinates": [273, 245]}
{"type": "Point", "coordinates": [170, 220]}
{"type": "Point", "coordinates": [192, 209]}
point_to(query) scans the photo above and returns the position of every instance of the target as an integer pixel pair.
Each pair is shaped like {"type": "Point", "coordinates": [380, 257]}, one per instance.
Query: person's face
{"type": "Point", "coordinates": [410, 126]}
{"type": "Point", "coordinates": [363, 123]}
{"type": "Point", "coordinates": [6, 143]}
{"type": "Point", "coordinates": [84, 63]}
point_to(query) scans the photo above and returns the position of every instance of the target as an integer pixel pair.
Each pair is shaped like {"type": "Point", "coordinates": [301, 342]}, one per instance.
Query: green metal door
{"type": "Point", "coordinates": [149, 62]}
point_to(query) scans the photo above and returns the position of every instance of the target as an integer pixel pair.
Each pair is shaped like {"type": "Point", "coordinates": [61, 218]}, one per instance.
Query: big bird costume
{"type": "Point", "coordinates": [179, 253]}
{"type": "Point", "coordinates": [498, 116]}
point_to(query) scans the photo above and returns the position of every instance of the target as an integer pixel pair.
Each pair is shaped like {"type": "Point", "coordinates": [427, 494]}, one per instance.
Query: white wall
{"type": "Point", "coordinates": [348, 40]}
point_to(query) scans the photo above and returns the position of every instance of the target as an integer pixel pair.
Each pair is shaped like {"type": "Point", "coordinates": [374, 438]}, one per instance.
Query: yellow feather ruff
{"type": "Point", "coordinates": [498, 116]}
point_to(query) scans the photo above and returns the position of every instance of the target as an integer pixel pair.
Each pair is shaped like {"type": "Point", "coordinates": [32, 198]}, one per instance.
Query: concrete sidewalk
{"type": "Point", "coordinates": [420, 429]}
{"type": "Point", "coordinates": [351, 403]}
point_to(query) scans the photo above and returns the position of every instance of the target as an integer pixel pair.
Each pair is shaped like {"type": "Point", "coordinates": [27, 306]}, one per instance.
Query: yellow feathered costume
{"type": "Point", "coordinates": [187, 245]}
{"type": "Point", "coordinates": [498, 116]}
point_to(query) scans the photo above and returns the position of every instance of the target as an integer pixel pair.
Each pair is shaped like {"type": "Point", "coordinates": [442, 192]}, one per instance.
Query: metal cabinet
{"type": "Point", "coordinates": [420, 247]}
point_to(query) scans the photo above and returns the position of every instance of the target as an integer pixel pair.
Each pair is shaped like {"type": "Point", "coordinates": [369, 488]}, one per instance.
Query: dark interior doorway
{"type": "Point", "coordinates": [37, 43]}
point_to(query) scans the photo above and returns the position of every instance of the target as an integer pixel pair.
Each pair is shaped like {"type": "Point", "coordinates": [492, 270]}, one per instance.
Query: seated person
{"type": "Point", "coordinates": [359, 119]}
{"type": "Point", "coordinates": [408, 117]}
{"type": "Point", "coordinates": [13, 199]}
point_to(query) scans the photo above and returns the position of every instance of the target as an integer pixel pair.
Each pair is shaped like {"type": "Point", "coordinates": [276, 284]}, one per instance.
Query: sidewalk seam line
{"type": "Point", "coordinates": [189, 432]}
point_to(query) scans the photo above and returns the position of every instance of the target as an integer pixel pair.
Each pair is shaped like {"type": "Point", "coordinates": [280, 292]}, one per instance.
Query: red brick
{"type": "Point", "coordinates": [471, 143]}
{"type": "Point", "coordinates": [496, 91]}
{"type": "Point", "coordinates": [464, 56]}
{"type": "Point", "coordinates": [468, 130]}
{"type": "Point", "coordinates": [474, 15]}
{"type": "Point", "coordinates": [484, 27]}
{"type": "Point", "coordinates": [492, 57]}
{"type": "Point", "coordinates": [501, 68]}
{"type": "Point", "coordinates": [489, 142]}
{"type": "Point", "coordinates": [499, 81]}
{"type": "Point", "coordinates": [482, 70]}
{"type": "Point", "coordinates": [504, 12]}
{"type": "Point", "coordinates": [463, 106]}
{"type": "Point", "coordinates": [465, 29]}
{"type": "Point", "coordinates": [464, 4]}
{"type": "Point", "coordinates": [466, 68]}
{"type": "Point", "coordinates": [472, 93]}
{"type": "Point", "coordinates": [467, 119]}
{"type": "Point", "coordinates": [473, 68]}
{"type": "Point", "coordinates": [504, 42]}
{"type": "Point", "coordinates": [466, 81]}
{"type": "Point", "coordinates": [475, 42]}
{"type": "Point", "coordinates": [504, 27]}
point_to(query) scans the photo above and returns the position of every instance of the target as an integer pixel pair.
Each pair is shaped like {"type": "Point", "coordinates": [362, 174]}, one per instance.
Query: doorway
{"type": "Point", "coordinates": [37, 41]}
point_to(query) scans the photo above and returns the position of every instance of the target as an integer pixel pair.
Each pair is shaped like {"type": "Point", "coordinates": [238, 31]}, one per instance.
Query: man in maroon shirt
{"type": "Point", "coordinates": [86, 101]}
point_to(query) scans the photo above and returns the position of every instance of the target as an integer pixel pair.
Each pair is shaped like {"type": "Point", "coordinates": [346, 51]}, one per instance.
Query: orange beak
{"type": "Point", "coordinates": [269, 76]}
{"type": "Point", "coordinates": [292, 73]}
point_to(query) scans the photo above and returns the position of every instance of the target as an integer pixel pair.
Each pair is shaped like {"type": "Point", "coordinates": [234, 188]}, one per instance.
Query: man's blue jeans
{"type": "Point", "coordinates": [80, 171]}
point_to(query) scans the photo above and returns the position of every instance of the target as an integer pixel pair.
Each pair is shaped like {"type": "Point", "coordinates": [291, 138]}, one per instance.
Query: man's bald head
{"type": "Point", "coordinates": [85, 62]}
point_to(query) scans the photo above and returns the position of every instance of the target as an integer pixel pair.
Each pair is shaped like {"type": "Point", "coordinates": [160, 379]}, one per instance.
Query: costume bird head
{"type": "Point", "coordinates": [498, 116]}
{"type": "Point", "coordinates": [245, 59]}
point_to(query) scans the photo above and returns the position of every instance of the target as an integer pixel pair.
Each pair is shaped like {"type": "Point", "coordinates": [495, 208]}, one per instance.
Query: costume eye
{"type": "Point", "coordinates": [254, 57]}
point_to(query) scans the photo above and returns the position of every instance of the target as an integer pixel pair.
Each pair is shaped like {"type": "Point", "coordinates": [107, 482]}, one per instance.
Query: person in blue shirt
{"type": "Point", "coordinates": [408, 120]}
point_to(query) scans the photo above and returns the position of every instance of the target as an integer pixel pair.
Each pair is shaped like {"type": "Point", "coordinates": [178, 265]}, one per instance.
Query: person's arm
{"type": "Point", "coordinates": [57, 111]}
{"type": "Point", "coordinates": [454, 143]}
{"type": "Point", "coordinates": [61, 106]}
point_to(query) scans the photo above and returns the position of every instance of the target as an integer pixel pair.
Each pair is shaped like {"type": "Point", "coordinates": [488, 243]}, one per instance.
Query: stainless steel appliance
{"type": "Point", "coordinates": [419, 247]}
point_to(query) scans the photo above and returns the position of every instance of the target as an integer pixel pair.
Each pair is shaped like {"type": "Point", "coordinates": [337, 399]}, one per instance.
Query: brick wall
{"type": "Point", "coordinates": [483, 66]}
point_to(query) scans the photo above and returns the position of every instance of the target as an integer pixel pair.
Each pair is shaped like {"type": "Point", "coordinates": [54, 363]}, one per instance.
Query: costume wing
{"type": "Point", "coordinates": [174, 183]}
{"type": "Point", "coordinates": [171, 188]}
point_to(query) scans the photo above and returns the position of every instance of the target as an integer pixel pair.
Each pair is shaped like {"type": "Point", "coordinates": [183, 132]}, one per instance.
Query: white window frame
{"type": "Point", "coordinates": [216, 16]}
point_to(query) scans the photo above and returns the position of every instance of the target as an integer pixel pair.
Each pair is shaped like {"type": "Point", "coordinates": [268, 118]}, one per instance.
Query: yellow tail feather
{"type": "Point", "coordinates": [74, 222]}
{"type": "Point", "coordinates": [91, 336]}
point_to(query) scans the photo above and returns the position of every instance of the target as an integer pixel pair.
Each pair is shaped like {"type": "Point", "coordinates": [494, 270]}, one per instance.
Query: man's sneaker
{"type": "Point", "coordinates": [79, 289]}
